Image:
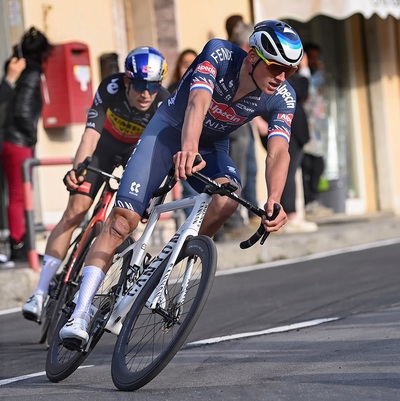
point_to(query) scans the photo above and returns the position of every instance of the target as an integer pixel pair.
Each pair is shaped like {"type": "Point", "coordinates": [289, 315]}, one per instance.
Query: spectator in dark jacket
{"type": "Point", "coordinates": [20, 131]}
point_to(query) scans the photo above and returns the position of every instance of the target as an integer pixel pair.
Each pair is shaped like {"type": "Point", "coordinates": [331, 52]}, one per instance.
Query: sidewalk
{"type": "Point", "coordinates": [336, 232]}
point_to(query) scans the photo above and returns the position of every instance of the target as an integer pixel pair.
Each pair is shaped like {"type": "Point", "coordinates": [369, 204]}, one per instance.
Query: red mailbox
{"type": "Point", "coordinates": [67, 90]}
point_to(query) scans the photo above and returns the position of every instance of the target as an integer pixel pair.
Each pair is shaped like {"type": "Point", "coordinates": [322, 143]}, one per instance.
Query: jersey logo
{"type": "Point", "coordinates": [122, 129]}
{"type": "Point", "coordinates": [113, 87]}
{"type": "Point", "coordinates": [206, 68]}
{"type": "Point", "coordinates": [284, 92]}
{"type": "Point", "coordinates": [287, 118]}
{"type": "Point", "coordinates": [223, 112]}
{"type": "Point", "coordinates": [135, 187]}
{"type": "Point", "coordinates": [92, 113]}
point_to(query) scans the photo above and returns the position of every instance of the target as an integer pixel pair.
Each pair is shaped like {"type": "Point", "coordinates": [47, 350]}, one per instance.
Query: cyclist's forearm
{"type": "Point", "coordinates": [87, 146]}
{"type": "Point", "coordinates": [277, 164]}
{"type": "Point", "coordinates": [199, 102]}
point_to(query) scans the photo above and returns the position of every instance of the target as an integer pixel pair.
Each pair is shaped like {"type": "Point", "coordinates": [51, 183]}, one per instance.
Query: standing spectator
{"type": "Point", "coordinates": [185, 59]}
{"type": "Point", "coordinates": [313, 164]}
{"type": "Point", "coordinates": [300, 136]}
{"type": "Point", "coordinates": [13, 70]}
{"type": "Point", "coordinates": [20, 132]}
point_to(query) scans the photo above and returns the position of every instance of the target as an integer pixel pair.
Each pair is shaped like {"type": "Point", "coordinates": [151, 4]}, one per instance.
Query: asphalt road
{"type": "Point", "coordinates": [353, 356]}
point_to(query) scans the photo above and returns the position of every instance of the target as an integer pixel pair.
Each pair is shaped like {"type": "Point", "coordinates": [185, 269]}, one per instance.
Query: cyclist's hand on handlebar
{"type": "Point", "coordinates": [185, 164]}
{"type": "Point", "coordinates": [72, 181]}
{"type": "Point", "coordinates": [280, 219]}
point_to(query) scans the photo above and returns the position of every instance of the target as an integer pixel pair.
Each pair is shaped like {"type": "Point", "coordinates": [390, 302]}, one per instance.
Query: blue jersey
{"type": "Point", "coordinates": [217, 70]}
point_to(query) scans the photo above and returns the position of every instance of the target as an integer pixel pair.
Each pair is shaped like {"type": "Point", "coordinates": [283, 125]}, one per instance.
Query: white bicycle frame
{"type": "Point", "coordinates": [190, 226]}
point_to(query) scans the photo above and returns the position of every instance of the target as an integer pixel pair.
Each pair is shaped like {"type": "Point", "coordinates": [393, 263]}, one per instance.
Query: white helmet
{"type": "Point", "coordinates": [277, 41]}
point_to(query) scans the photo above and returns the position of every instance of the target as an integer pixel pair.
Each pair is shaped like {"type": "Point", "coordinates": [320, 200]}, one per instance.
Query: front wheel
{"type": "Point", "coordinates": [150, 338]}
{"type": "Point", "coordinates": [62, 360]}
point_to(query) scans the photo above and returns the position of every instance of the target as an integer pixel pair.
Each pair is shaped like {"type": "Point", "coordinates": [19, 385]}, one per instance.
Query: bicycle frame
{"type": "Point", "coordinates": [99, 216]}
{"type": "Point", "coordinates": [190, 226]}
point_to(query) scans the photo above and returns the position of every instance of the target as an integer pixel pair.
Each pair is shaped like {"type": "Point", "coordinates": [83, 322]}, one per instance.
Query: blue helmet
{"type": "Point", "coordinates": [277, 41]}
{"type": "Point", "coordinates": [145, 63]}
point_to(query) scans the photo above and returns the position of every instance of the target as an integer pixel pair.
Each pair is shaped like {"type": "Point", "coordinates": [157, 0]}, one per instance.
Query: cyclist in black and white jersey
{"type": "Point", "coordinates": [224, 88]}
{"type": "Point", "coordinates": [122, 107]}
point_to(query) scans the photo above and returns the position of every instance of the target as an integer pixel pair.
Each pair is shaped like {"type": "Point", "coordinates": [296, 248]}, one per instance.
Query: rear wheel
{"type": "Point", "coordinates": [151, 337]}
{"type": "Point", "coordinates": [61, 361]}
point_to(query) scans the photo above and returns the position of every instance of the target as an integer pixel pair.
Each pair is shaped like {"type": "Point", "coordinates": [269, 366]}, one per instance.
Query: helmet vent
{"type": "Point", "coordinates": [266, 44]}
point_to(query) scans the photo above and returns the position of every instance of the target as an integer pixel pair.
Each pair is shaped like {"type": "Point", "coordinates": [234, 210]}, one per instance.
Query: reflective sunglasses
{"type": "Point", "coordinates": [276, 68]}
{"type": "Point", "coordinates": [140, 85]}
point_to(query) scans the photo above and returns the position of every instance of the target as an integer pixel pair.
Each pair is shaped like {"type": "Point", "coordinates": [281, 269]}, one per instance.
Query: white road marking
{"type": "Point", "coordinates": [24, 377]}
{"type": "Point", "coordinates": [11, 310]}
{"type": "Point", "coordinates": [280, 329]}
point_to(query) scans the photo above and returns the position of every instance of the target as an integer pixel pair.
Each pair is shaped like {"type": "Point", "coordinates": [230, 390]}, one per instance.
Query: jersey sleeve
{"type": "Point", "coordinates": [281, 114]}
{"type": "Point", "coordinates": [209, 61]}
{"type": "Point", "coordinates": [97, 113]}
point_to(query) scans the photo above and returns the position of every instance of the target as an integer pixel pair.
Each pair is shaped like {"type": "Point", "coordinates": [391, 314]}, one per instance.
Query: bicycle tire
{"type": "Point", "coordinates": [148, 341]}
{"type": "Point", "coordinates": [61, 362]}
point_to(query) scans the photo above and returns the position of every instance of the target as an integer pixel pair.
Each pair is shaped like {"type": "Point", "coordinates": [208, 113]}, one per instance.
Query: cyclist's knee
{"type": "Point", "coordinates": [123, 222]}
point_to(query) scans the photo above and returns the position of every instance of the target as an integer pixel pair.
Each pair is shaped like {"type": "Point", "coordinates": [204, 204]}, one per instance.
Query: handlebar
{"type": "Point", "coordinates": [261, 232]}
{"type": "Point", "coordinates": [226, 189]}
{"type": "Point", "coordinates": [82, 168]}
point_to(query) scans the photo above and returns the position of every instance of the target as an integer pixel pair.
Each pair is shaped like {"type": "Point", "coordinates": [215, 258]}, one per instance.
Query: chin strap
{"type": "Point", "coordinates": [252, 71]}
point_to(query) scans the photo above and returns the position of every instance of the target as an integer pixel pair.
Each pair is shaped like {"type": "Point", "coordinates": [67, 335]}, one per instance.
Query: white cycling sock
{"type": "Point", "coordinates": [50, 266]}
{"type": "Point", "coordinates": [92, 278]}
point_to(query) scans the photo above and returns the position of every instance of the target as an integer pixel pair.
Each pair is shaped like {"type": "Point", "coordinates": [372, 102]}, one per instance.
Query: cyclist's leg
{"type": "Point", "coordinates": [60, 238]}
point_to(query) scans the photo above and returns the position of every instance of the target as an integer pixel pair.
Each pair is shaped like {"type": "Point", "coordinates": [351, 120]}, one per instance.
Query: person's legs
{"type": "Point", "coordinates": [316, 169]}
{"type": "Point", "coordinates": [239, 143]}
{"type": "Point", "coordinates": [306, 168]}
{"type": "Point", "coordinates": [289, 196]}
{"type": "Point", "coordinates": [13, 157]}
{"type": "Point", "coordinates": [288, 199]}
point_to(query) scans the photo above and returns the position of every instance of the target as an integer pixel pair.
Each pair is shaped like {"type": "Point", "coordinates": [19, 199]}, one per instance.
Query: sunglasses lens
{"type": "Point", "coordinates": [277, 69]}
{"type": "Point", "coordinates": [141, 85]}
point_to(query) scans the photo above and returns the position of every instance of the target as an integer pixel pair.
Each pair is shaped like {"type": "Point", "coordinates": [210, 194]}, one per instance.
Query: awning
{"type": "Point", "coordinates": [304, 10]}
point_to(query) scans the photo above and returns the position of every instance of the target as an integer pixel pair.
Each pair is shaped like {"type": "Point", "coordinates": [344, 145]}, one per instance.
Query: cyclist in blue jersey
{"type": "Point", "coordinates": [224, 88]}
{"type": "Point", "coordinates": [122, 107]}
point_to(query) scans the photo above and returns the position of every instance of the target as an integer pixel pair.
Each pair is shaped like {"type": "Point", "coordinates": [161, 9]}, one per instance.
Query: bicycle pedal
{"type": "Point", "coordinates": [72, 344]}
